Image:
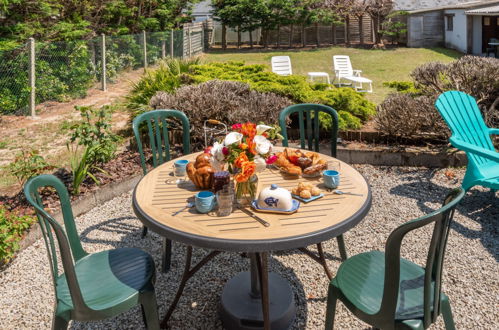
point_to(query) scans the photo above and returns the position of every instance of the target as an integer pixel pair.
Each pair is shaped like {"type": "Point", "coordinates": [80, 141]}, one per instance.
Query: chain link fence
{"type": "Point", "coordinates": [66, 69]}
{"type": "Point", "coordinates": [14, 80]}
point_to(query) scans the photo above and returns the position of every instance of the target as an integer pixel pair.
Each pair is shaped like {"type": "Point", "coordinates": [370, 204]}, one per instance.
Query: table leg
{"type": "Point", "coordinates": [188, 272]}
{"type": "Point", "coordinates": [257, 299]}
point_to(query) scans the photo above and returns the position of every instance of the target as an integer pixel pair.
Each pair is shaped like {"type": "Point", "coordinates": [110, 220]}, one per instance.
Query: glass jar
{"type": "Point", "coordinates": [246, 191]}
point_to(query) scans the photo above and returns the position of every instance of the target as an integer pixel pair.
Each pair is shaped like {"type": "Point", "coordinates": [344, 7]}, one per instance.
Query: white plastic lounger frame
{"type": "Point", "coordinates": [281, 65]}
{"type": "Point", "coordinates": [343, 70]}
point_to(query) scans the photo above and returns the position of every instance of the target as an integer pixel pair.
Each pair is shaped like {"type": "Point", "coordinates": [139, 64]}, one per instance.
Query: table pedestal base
{"type": "Point", "coordinates": [241, 310]}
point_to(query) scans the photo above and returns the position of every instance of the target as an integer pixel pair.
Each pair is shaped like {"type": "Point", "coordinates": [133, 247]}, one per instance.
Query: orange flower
{"type": "Point", "coordinates": [247, 170]}
{"type": "Point", "coordinates": [249, 129]}
{"type": "Point", "coordinates": [243, 146]}
{"type": "Point", "coordinates": [242, 158]}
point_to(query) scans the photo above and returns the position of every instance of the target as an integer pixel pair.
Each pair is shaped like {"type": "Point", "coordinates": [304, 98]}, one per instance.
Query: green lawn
{"type": "Point", "coordinates": [378, 65]}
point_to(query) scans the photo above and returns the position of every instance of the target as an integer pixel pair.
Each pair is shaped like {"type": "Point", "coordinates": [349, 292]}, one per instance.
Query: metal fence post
{"type": "Point", "coordinates": [144, 47]}
{"type": "Point", "coordinates": [103, 61]}
{"type": "Point", "coordinates": [171, 43]}
{"type": "Point", "coordinates": [32, 78]}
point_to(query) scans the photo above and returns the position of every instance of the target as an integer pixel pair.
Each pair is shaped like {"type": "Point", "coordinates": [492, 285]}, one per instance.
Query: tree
{"type": "Point", "coordinates": [393, 28]}
{"type": "Point", "coordinates": [379, 10]}
{"type": "Point", "coordinates": [52, 20]}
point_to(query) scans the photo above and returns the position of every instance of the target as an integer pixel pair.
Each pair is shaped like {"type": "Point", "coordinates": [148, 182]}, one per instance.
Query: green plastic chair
{"type": "Point", "coordinates": [470, 134]}
{"type": "Point", "coordinates": [156, 124]}
{"type": "Point", "coordinates": [309, 137]}
{"type": "Point", "coordinates": [92, 286]}
{"type": "Point", "coordinates": [390, 292]}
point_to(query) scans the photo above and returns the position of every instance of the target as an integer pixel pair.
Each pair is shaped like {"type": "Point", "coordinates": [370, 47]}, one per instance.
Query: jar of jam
{"type": "Point", "coordinates": [220, 179]}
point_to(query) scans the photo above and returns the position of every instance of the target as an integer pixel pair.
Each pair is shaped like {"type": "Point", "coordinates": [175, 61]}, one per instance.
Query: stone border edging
{"type": "Point", "coordinates": [401, 158]}
{"type": "Point", "coordinates": [85, 204]}
{"type": "Point", "coordinates": [351, 156]}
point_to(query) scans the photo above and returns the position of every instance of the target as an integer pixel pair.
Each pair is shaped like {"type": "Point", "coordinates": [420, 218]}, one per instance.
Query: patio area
{"type": "Point", "coordinates": [399, 195]}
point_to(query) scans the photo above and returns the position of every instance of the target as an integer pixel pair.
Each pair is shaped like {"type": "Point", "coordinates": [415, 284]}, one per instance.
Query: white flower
{"type": "Point", "coordinates": [260, 129]}
{"type": "Point", "coordinates": [216, 151]}
{"type": "Point", "coordinates": [260, 163]}
{"type": "Point", "coordinates": [263, 145]}
{"type": "Point", "coordinates": [233, 137]}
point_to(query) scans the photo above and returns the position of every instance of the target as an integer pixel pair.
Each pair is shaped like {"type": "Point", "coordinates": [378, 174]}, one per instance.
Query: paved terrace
{"type": "Point", "coordinates": [399, 194]}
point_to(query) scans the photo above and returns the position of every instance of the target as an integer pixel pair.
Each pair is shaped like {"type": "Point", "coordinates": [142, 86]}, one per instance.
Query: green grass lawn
{"type": "Point", "coordinates": [377, 65]}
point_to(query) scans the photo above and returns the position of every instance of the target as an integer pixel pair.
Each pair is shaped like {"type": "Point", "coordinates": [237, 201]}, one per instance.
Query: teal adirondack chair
{"type": "Point", "coordinates": [390, 292]}
{"type": "Point", "coordinates": [470, 134]}
{"type": "Point", "coordinates": [309, 136]}
{"type": "Point", "coordinates": [92, 286]}
{"type": "Point", "coordinates": [156, 126]}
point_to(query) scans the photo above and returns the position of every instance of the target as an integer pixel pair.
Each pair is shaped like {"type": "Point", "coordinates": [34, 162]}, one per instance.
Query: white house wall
{"type": "Point", "coordinates": [477, 35]}
{"type": "Point", "coordinates": [456, 39]}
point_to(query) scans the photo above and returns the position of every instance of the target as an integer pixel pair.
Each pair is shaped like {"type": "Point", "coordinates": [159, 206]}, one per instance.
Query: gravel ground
{"type": "Point", "coordinates": [399, 194]}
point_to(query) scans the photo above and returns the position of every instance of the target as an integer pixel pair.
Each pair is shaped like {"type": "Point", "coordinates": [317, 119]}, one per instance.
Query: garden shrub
{"type": "Point", "coordinates": [402, 86]}
{"type": "Point", "coordinates": [12, 228]}
{"type": "Point", "coordinates": [474, 75]}
{"type": "Point", "coordinates": [166, 78]}
{"type": "Point", "coordinates": [228, 101]}
{"type": "Point", "coordinates": [404, 115]}
{"type": "Point", "coordinates": [94, 132]}
{"type": "Point", "coordinates": [295, 88]}
{"type": "Point", "coordinates": [412, 112]}
{"type": "Point", "coordinates": [27, 164]}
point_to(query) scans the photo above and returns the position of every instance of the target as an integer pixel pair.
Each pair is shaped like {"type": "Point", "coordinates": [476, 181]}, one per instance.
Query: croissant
{"type": "Point", "coordinates": [283, 162]}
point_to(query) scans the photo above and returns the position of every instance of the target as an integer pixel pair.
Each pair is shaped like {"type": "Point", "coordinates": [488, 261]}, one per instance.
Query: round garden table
{"type": "Point", "coordinates": [253, 299]}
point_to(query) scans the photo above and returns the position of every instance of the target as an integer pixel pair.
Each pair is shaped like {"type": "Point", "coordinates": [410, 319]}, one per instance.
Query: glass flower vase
{"type": "Point", "coordinates": [246, 191]}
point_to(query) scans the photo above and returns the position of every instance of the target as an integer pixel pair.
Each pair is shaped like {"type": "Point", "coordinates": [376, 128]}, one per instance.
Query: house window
{"type": "Point", "coordinates": [450, 22]}
{"type": "Point", "coordinates": [486, 21]}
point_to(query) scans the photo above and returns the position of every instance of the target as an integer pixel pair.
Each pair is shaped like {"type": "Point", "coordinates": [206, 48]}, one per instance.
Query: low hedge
{"type": "Point", "coordinates": [353, 108]}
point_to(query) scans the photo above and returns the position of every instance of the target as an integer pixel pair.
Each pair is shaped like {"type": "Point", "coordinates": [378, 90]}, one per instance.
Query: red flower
{"type": "Point", "coordinates": [225, 151]}
{"type": "Point", "coordinates": [271, 159]}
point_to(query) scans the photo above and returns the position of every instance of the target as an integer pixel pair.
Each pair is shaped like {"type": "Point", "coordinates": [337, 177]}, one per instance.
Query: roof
{"type": "Point", "coordinates": [465, 5]}
{"type": "Point", "coordinates": [484, 11]}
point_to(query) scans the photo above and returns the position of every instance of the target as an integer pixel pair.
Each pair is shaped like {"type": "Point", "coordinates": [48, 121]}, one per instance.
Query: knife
{"type": "Point", "coordinates": [254, 216]}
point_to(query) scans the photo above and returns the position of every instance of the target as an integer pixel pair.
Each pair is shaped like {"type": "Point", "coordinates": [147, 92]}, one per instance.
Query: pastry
{"type": "Point", "coordinates": [201, 172]}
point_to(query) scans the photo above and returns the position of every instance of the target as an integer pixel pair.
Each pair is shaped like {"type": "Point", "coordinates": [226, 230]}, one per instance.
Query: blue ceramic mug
{"type": "Point", "coordinates": [331, 179]}
{"type": "Point", "coordinates": [205, 201]}
{"type": "Point", "coordinates": [180, 167]}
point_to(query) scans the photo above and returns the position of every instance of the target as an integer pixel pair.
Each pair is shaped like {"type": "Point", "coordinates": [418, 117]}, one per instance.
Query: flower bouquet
{"type": "Point", "coordinates": [247, 151]}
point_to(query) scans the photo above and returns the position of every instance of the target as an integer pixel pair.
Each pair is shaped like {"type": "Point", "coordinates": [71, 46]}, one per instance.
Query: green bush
{"type": "Point", "coordinates": [94, 132]}
{"type": "Point", "coordinates": [27, 164]}
{"type": "Point", "coordinates": [166, 78]}
{"type": "Point", "coordinates": [402, 86]}
{"type": "Point", "coordinates": [12, 228]}
{"type": "Point", "coordinates": [352, 107]}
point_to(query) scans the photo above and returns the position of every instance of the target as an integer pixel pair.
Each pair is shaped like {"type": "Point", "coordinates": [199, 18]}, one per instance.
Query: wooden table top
{"type": "Point", "coordinates": [155, 200]}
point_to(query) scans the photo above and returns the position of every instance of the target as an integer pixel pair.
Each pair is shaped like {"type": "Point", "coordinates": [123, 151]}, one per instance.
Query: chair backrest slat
{"type": "Point", "coordinates": [68, 241]}
{"type": "Point", "coordinates": [309, 113]}
{"type": "Point", "coordinates": [281, 65]}
{"type": "Point", "coordinates": [156, 123]}
{"type": "Point", "coordinates": [343, 65]}
{"type": "Point", "coordinates": [461, 113]}
{"type": "Point", "coordinates": [434, 260]}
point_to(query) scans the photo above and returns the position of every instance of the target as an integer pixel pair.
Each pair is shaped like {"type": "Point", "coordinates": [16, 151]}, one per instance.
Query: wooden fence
{"type": "Point", "coordinates": [297, 35]}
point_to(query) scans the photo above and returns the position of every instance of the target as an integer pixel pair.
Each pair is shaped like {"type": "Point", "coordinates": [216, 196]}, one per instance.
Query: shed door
{"type": "Point", "coordinates": [490, 29]}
